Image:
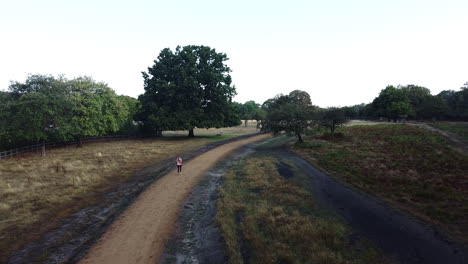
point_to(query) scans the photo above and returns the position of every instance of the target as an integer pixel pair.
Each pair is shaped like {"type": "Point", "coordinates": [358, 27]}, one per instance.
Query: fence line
{"type": "Point", "coordinates": [38, 147]}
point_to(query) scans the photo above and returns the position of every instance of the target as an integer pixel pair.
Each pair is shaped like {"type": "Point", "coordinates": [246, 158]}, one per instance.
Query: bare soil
{"type": "Point", "coordinates": [141, 232]}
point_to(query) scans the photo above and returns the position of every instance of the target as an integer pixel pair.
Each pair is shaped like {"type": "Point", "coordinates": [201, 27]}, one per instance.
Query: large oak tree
{"type": "Point", "coordinates": [187, 88]}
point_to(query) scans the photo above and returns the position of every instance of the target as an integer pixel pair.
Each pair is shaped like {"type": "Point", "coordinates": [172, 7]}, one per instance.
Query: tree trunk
{"type": "Point", "coordinates": [79, 143]}
{"type": "Point", "coordinates": [43, 149]}
{"type": "Point", "coordinates": [245, 122]}
{"type": "Point", "coordinates": [299, 137]}
{"type": "Point", "coordinates": [190, 133]}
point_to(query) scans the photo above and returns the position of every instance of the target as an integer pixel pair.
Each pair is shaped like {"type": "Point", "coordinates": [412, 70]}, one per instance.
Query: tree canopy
{"type": "Point", "coordinates": [187, 88]}
{"type": "Point", "coordinates": [47, 108]}
{"type": "Point", "coordinates": [414, 102]}
{"type": "Point", "coordinates": [292, 113]}
{"type": "Point", "coordinates": [332, 118]}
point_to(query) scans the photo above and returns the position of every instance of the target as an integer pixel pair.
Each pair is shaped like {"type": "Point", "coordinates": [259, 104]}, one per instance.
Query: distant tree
{"type": "Point", "coordinates": [248, 110]}
{"type": "Point", "coordinates": [392, 103]}
{"type": "Point", "coordinates": [292, 113]}
{"type": "Point", "coordinates": [432, 107]}
{"type": "Point", "coordinates": [187, 88]}
{"type": "Point", "coordinates": [96, 109]}
{"type": "Point", "coordinates": [47, 108]}
{"type": "Point", "coordinates": [132, 106]}
{"type": "Point", "coordinates": [400, 110]}
{"type": "Point", "coordinates": [6, 121]}
{"type": "Point", "coordinates": [41, 109]}
{"type": "Point", "coordinates": [332, 118]}
{"type": "Point", "coordinates": [355, 111]}
{"type": "Point", "coordinates": [421, 101]}
{"type": "Point", "coordinates": [259, 116]}
{"type": "Point", "coordinates": [456, 102]}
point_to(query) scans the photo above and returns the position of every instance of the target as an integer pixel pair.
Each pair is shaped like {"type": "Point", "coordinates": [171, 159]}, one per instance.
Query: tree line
{"type": "Point", "coordinates": [413, 102]}
{"type": "Point", "coordinates": [186, 88]}
{"type": "Point", "coordinates": [53, 109]}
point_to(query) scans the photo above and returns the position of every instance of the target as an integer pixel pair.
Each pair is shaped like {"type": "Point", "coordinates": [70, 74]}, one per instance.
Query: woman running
{"type": "Point", "coordinates": [179, 164]}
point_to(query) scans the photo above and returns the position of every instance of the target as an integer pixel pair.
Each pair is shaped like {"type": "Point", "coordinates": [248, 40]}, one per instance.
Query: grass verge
{"type": "Point", "coordinates": [265, 218]}
{"type": "Point", "coordinates": [36, 192]}
{"type": "Point", "coordinates": [408, 166]}
{"type": "Point", "coordinates": [460, 129]}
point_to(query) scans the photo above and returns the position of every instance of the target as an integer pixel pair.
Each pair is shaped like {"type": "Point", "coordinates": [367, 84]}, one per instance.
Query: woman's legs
{"type": "Point", "coordinates": [179, 168]}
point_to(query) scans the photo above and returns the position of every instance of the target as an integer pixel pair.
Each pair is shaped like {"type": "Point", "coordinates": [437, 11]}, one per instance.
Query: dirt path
{"type": "Point", "coordinates": [402, 237]}
{"type": "Point", "coordinates": [139, 235]}
{"type": "Point", "coordinates": [459, 143]}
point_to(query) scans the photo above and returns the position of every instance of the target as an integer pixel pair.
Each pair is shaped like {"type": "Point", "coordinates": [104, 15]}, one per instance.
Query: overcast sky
{"type": "Point", "coordinates": [340, 52]}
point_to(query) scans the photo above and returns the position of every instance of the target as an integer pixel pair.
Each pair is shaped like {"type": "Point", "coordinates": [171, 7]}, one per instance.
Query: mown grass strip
{"type": "Point", "coordinates": [265, 218]}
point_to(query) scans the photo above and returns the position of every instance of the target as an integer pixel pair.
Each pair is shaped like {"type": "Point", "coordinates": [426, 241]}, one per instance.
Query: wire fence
{"type": "Point", "coordinates": [38, 147]}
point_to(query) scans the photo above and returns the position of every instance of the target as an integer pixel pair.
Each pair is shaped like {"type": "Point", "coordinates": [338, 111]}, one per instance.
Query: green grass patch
{"type": "Point", "coordinates": [265, 218]}
{"type": "Point", "coordinates": [460, 129]}
{"type": "Point", "coordinates": [407, 165]}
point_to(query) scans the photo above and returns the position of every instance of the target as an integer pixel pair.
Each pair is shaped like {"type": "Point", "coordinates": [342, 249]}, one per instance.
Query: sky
{"type": "Point", "coordinates": [340, 52]}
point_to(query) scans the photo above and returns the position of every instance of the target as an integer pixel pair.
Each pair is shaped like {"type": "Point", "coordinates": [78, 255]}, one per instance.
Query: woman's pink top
{"type": "Point", "coordinates": [179, 161]}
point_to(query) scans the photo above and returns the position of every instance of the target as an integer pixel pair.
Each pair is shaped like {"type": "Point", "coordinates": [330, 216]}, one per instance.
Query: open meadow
{"type": "Point", "coordinates": [36, 192]}
{"type": "Point", "coordinates": [411, 167]}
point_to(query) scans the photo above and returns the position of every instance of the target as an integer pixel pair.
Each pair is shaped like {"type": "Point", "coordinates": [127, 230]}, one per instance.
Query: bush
{"type": "Point", "coordinates": [337, 136]}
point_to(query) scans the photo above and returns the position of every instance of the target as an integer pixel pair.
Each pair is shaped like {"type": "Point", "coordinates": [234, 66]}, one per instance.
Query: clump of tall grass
{"type": "Point", "coordinates": [266, 219]}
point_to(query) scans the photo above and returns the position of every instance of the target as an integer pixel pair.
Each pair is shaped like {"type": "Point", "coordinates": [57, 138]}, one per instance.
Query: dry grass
{"type": "Point", "coordinates": [226, 132]}
{"type": "Point", "coordinates": [409, 166]}
{"type": "Point", "coordinates": [266, 219]}
{"type": "Point", "coordinates": [366, 123]}
{"type": "Point", "coordinates": [35, 192]}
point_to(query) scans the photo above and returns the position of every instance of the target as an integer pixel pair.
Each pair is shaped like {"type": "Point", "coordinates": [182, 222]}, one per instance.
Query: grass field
{"type": "Point", "coordinates": [457, 128]}
{"type": "Point", "coordinates": [367, 123]}
{"type": "Point", "coordinates": [411, 167]}
{"type": "Point", "coordinates": [265, 218]}
{"type": "Point", "coordinates": [224, 133]}
{"type": "Point", "coordinates": [35, 192]}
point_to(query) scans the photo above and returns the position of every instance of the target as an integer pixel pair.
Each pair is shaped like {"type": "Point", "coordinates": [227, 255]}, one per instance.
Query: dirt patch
{"type": "Point", "coordinates": [285, 170]}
